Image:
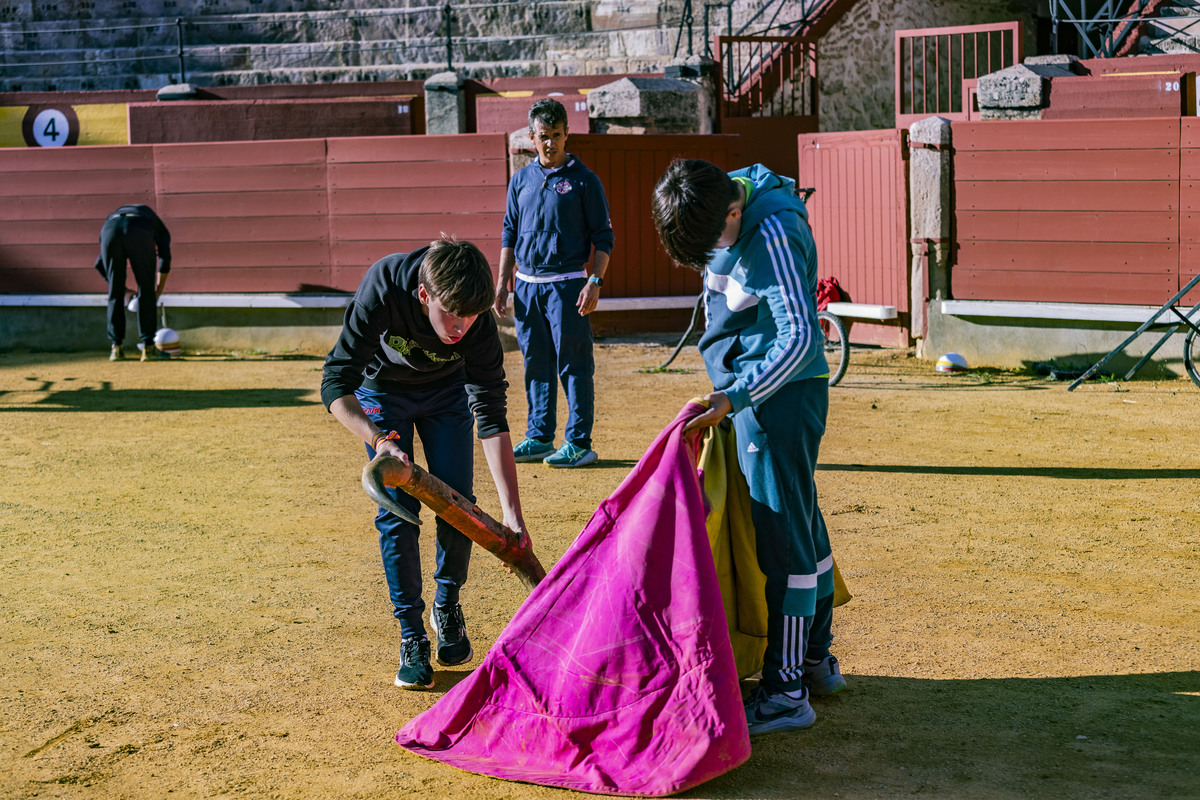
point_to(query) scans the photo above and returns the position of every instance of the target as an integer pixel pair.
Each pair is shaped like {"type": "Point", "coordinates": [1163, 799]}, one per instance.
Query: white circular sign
{"type": "Point", "coordinates": [51, 128]}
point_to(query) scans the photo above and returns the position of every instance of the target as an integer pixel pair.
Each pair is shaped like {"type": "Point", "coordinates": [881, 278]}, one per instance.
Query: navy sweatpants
{"type": "Point", "coordinates": [441, 419]}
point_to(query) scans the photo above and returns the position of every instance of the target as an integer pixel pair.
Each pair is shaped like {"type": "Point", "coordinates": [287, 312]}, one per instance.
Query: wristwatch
{"type": "Point", "coordinates": [596, 279]}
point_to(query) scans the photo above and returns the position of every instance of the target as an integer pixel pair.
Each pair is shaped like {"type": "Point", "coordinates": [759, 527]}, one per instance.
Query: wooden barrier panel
{"type": "Point", "coordinates": [629, 166]}
{"type": "Point", "coordinates": [245, 216]}
{"type": "Point", "coordinates": [53, 203]}
{"type": "Point", "coordinates": [1068, 211]}
{"type": "Point", "coordinates": [860, 223]}
{"type": "Point", "coordinates": [394, 194]}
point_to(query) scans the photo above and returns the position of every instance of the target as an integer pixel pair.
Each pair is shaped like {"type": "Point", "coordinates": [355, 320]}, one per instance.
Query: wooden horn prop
{"type": "Point", "coordinates": [499, 540]}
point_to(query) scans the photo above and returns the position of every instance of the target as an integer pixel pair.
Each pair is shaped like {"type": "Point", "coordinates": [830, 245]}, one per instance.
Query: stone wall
{"type": "Point", "coordinates": [241, 42]}
{"type": "Point", "coordinates": [857, 57]}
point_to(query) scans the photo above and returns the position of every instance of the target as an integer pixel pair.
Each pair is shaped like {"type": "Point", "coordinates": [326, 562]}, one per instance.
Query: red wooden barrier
{"type": "Point", "coordinates": [860, 222]}
{"type": "Point", "coordinates": [629, 166]}
{"type": "Point", "coordinates": [1069, 211]}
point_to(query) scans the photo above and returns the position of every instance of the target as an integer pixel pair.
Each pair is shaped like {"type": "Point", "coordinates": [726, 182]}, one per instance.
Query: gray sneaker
{"type": "Point", "coordinates": [768, 711]}
{"type": "Point", "coordinates": [414, 672]}
{"type": "Point", "coordinates": [450, 628]}
{"type": "Point", "coordinates": [823, 678]}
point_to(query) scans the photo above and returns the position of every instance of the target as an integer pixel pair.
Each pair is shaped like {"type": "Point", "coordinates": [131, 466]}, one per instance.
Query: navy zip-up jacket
{"type": "Point", "coordinates": [552, 221]}
{"type": "Point", "coordinates": [387, 344]}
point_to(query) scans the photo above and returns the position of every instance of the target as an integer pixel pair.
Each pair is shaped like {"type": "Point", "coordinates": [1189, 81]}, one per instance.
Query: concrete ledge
{"type": "Point", "coordinates": [298, 301]}
{"type": "Point", "coordinates": [1083, 312]}
{"type": "Point", "coordinates": [861, 311]}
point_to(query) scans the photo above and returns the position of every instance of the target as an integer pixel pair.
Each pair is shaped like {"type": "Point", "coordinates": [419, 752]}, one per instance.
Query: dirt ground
{"type": "Point", "coordinates": [193, 606]}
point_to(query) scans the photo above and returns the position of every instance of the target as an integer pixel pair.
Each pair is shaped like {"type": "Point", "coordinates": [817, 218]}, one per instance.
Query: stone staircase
{"type": "Point", "coordinates": [1175, 30]}
{"type": "Point", "coordinates": [134, 44]}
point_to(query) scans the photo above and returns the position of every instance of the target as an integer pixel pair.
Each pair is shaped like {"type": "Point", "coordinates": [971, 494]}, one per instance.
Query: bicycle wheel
{"type": "Point", "coordinates": [1191, 354]}
{"type": "Point", "coordinates": [837, 346]}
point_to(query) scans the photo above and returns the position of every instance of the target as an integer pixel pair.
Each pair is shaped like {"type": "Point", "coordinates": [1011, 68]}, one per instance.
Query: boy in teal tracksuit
{"type": "Point", "coordinates": [748, 232]}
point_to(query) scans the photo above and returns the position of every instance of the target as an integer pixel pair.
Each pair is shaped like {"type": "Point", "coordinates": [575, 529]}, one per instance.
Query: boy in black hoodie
{"type": "Point", "coordinates": [419, 352]}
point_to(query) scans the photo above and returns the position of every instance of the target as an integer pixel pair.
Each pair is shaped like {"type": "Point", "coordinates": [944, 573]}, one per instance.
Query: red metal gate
{"type": "Point", "coordinates": [859, 217]}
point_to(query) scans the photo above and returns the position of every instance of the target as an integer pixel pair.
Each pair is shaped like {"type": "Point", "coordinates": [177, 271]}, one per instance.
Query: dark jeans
{"type": "Point", "coordinates": [129, 239]}
{"type": "Point", "coordinates": [441, 419]}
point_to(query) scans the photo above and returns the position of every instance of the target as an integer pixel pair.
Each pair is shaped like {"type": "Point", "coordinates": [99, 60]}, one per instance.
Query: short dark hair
{"type": "Point", "coordinates": [549, 112]}
{"type": "Point", "coordinates": [691, 201]}
{"type": "Point", "coordinates": [456, 274]}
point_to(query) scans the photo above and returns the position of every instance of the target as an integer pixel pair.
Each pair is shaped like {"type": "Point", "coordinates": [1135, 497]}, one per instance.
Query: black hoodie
{"type": "Point", "coordinates": [388, 344]}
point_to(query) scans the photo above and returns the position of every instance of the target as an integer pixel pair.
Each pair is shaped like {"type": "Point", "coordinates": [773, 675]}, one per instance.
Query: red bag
{"type": "Point", "coordinates": [828, 291]}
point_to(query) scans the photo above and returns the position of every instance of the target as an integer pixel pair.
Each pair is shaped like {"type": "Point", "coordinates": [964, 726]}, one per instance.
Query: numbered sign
{"type": "Point", "coordinates": [50, 126]}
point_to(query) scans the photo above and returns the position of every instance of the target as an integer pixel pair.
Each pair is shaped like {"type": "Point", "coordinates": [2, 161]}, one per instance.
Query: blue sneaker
{"type": "Point", "coordinates": [532, 450]}
{"type": "Point", "coordinates": [823, 678]}
{"type": "Point", "coordinates": [768, 711]}
{"type": "Point", "coordinates": [571, 455]}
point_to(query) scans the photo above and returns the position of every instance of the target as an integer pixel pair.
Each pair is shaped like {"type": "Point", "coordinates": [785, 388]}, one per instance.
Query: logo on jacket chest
{"type": "Point", "coordinates": [405, 347]}
{"type": "Point", "coordinates": [563, 187]}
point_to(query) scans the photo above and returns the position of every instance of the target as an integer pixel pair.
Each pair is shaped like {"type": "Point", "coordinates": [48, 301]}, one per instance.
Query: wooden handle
{"type": "Point", "coordinates": [501, 541]}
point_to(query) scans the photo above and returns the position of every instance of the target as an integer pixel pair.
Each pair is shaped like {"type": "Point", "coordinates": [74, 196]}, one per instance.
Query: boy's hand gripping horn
{"type": "Point", "coordinates": [512, 548]}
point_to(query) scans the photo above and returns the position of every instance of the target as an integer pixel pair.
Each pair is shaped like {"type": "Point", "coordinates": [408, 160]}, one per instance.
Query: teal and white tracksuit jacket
{"type": "Point", "coordinates": [763, 348]}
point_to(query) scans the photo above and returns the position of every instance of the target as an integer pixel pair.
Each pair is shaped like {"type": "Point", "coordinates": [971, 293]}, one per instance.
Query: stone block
{"type": "Point", "coordinates": [645, 105]}
{"type": "Point", "coordinates": [445, 104]}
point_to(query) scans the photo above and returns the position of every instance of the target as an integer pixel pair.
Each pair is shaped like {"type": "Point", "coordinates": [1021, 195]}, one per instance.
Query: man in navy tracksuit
{"type": "Point", "coordinates": [556, 215]}
{"type": "Point", "coordinates": [134, 234]}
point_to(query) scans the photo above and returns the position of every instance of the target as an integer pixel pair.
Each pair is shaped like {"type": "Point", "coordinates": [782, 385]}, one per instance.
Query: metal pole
{"type": "Point", "coordinates": [447, 13]}
{"type": "Point", "coordinates": [179, 39]}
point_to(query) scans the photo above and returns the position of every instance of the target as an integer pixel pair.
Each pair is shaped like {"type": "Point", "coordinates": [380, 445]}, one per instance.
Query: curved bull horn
{"type": "Point", "coordinates": [513, 549]}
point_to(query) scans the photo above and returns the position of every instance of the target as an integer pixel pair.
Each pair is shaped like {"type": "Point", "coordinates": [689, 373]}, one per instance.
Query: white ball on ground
{"type": "Point", "coordinates": [951, 362]}
{"type": "Point", "coordinates": [167, 340]}
{"type": "Point", "coordinates": [133, 304]}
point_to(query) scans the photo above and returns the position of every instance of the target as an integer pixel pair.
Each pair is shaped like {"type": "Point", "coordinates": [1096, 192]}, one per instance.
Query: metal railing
{"type": "Point", "coordinates": [933, 63]}
{"type": "Point", "coordinates": [768, 76]}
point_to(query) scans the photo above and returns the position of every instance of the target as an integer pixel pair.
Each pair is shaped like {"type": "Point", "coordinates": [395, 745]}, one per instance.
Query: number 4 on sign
{"type": "Point", "coordinates": [50, 128]}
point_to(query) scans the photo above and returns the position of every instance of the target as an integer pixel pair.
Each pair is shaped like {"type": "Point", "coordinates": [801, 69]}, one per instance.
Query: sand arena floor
{"type": "Point", "coordinates": [193, 605]}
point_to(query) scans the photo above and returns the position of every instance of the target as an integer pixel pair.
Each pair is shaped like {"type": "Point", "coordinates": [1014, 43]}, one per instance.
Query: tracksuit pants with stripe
{"type": "Point", "coordinates": [778, 441]}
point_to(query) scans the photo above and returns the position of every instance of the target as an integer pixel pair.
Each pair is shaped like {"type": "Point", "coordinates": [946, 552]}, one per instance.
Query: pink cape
{"type": "Point", "coordinates": [616, 675]}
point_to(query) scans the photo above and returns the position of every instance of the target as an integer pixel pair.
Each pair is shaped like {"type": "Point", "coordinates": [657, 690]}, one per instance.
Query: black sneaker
{"type": "Point", "coordinates": [414, 672]}
{"type": "Point", "coordinates": [453, 646]}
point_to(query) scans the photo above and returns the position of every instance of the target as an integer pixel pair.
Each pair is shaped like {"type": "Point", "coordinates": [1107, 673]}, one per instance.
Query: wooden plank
{"type": "Point", "coordinates": [292, 278]}
{"type": "Point", "coordinates": [1189, 134]}
{"type": "Point", "coordinates": [36, 232]}
{"type": "Point", "coordinates": [1189, 165]}
{"type": "Point", "coordinates": [250, 254]}
{"type": "Point", "coordinates": [247, 204]}
{"type": "Point", "coordinates": [1069, 226]}
{"type": "Point", "coordinates": [43, 159]}
{"type": "Point", "coordinates": [278, 177]}
{"type": "Point", "coordinates": [1107, 97]}
{"type": "Point", "coordinates": [1069, 257]}
{"type": "Point", "coordinates": [451, 147]}
{"type": "Point", "coordinates": [1078, 165]}
{"type": "Point", "coordinates": [1060, 195]}
{"type": "Point", "coordinates": [84, 182]}
{"type": "Point", "coordinates": [239, 154]}
{"type": "Point", "coordinates": [1110, 134]}
{"type": "Point", "coordinates": [414, 226]}
{"type": "Point", "coordinates": [53, 280]}
{"type": "Point", "coordinates": [420, 175]}
{"type": "Point", "coordinates": [351, 254]}
{"type": "Point", "coordinates": [186, 231]}
{"type": "Point", "coordinates": [70, 208]}
{"type": "Point", "coordinates": [51, 255]}
{"type": "Point", "coordinates": [444, 201]}
{"type": "Point", "coordinates": [1072, 287]}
